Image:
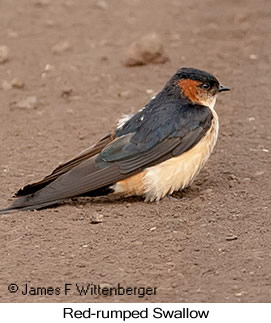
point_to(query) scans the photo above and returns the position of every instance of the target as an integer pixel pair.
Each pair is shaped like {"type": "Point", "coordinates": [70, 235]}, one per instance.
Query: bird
{"type": "Point", "coordinates": [152, 153]}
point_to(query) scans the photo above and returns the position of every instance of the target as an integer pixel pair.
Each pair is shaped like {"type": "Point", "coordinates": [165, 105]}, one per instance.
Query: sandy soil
{"type": "Point", "coordinates": [211, 245]}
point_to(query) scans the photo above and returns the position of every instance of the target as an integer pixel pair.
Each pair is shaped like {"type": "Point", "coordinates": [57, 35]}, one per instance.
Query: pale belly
{"type": "Point", "coordinates": [171, 175]}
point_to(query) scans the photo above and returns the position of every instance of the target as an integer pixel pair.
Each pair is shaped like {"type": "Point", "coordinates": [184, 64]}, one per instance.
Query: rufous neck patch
{"type": "Point", "coordinates": [189, 89]}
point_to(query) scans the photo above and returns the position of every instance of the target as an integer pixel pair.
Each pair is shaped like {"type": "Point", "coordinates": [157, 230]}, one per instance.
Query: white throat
{"type": "Point", "coordinates": [211, 103]}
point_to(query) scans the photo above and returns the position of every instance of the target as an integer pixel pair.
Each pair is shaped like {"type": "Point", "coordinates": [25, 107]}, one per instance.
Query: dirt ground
{"type": "Point", "coordinates": [210, 245]}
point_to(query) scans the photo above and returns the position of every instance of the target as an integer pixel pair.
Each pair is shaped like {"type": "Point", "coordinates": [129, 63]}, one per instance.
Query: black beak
{"type": "Point", "coordinates": [223, 88]}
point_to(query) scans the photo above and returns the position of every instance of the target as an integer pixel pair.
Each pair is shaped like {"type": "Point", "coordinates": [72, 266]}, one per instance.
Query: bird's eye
{"type": "Point", "coordinates": [205, 86]}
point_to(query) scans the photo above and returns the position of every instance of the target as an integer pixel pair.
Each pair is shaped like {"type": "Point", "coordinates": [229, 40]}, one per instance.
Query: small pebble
{"type": "Point", "coordinates": [207, 191]}
{"type": "Point", "coordinates": [246, 180]}
{"type": "Point", "coordinates": [4, 54]}
{"type": "Point", "coordinates": [61, 47]}
{"type": "Point", "coordinates": [66, 92]}
{"type": "Point", "coordinates": [30, 102]}
{"type": "Point", "coordinates": [17, 83]}
{"type": "Point", "coordinates": [239, 294]}
{"type": "Point", "coordinates": [96, 218]}
{"type": "Point", "coordinates": [49, 67]}
{"type": "Point", "coordinates": [232, 177]}
{"type": "Point", "coordinates": [231, 238]}
{"type": "Point", "coordinates": [260, 173]}
{"type": "Point", "coordinates": [148, 49]}
{"type": "Point", "coordinates": [124, 94]}
{"type": "Point", "coordinates": [150, 92]}
{"type": "Point", "coordinates": [253, 57]}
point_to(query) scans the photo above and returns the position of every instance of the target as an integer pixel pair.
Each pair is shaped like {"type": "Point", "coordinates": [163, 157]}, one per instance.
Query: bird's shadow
{"type": "Point", "coordinates": [189, 192]}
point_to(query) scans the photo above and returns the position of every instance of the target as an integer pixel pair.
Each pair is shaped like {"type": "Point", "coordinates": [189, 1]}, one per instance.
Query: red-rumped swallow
{"type": "Point", "coordinates": [152, 153]}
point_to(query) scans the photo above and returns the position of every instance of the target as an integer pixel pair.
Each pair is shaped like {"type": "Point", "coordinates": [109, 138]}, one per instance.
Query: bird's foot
{"type": "Point", "coordinates": [174, 197]}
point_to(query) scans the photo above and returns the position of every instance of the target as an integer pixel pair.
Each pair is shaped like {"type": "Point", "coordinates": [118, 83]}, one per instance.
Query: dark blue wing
{"type": "Point", "coordinates": [157, 132]}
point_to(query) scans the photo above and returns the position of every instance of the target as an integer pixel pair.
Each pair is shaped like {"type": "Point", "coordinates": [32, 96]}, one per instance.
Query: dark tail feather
{"type": "Point", "coordinates": [7, 210]}
{"type": "Point", "coordinates": [22, 203]}
{"type": "Point", "coordinates": [13, 208]}
{"type": "Point", "coordinates": [85, 179]}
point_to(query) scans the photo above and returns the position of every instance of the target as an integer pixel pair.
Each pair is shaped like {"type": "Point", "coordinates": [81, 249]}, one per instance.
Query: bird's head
{"type": "Point", "coordinates": [198, 86]}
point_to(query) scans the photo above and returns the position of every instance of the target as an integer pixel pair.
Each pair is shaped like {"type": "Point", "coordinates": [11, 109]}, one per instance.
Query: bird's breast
{"type": "Point", "coordinates": [173, 174]}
